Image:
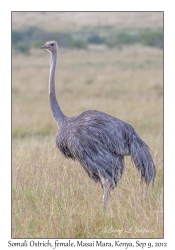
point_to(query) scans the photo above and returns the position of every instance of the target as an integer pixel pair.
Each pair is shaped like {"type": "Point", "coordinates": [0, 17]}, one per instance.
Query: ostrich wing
{"type": "Point", "coordinates": [98, 141]}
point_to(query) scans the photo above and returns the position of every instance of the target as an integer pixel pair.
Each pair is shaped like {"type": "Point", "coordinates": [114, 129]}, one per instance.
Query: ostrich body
{"type": "Point", "coordinates": [97, 140]}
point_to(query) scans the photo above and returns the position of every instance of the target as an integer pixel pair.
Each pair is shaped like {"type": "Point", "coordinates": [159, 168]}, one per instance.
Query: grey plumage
{"type": "Point", "coordinates": [98, 141]}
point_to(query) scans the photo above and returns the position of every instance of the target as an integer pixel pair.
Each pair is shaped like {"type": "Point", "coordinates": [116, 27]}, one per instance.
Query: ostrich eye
{"type": "Point", "coordinates": [52, 44]}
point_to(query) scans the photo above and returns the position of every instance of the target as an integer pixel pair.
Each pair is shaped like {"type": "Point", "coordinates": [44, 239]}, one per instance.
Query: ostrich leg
{"type": "Point", "coordinates": [106, 189]}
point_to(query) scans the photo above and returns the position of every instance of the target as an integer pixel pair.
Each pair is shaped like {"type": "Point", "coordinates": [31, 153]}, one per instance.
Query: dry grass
{"type": "Point", "coordinates": [77, 20]}
{"type": "Point", "coordinates": [103, 80]}
{"type": "Point", "coordinates": [53, 197]}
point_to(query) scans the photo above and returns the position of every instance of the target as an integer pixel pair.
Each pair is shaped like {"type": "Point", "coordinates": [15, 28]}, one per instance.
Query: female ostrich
{"type": "Point", "coordinates": [97, 140]}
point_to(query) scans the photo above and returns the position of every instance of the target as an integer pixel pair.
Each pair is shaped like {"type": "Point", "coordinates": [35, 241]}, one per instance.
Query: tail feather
{"type": "Point", "coordinates": [142, 159]}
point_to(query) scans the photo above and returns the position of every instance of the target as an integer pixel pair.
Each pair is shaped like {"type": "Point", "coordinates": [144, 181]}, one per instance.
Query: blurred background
{"type": "Point", "coordinates": [108, 61]}
{"type": "Point", "coordinates": [82, 29]}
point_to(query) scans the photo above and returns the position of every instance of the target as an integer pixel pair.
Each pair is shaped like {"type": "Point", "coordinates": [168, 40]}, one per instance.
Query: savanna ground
{"type": "Point", "coordinates": [53, 197]}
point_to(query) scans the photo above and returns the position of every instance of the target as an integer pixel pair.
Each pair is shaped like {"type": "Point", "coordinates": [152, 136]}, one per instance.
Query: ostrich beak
{"type": "Point", "coordinates": [43, 47]}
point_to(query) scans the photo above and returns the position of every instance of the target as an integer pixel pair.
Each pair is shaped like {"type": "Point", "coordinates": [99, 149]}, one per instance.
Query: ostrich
{"type": "Point", "coordinates": [98, 141]}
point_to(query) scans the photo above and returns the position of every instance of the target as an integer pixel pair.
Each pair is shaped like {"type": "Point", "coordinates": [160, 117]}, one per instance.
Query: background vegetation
{"type": "Point", "coordinates": [111, 62]}
{"type": "Point", "coordinates": [32, 37]}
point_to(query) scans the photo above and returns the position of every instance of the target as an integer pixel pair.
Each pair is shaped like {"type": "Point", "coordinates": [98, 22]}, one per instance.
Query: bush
{"type": "Point", "coordinates": [16, 37]}
{"type": "Point", "coordinates": [65, 40]}
{"type": "Point", "coordinates": [111, 43]}
{"type": "Point", "coordinates": [22, 47]}
{"type": "Point", "coordinates": [126, 38]}
{"type": "Point", "coordinates": [121, 38]}
{"type": "Point", "coordinates": [36, 44]}
{"type": "Point", "coordinates": [146, 38]}
{"type": "Point", "coordinates": [152, 38]}
{"type": "Point", "coordinates": [34, 37]}
{"type": "Point", "coordinates": [95, 39]}
{"type": "Point", "coordinates": [79, 44]}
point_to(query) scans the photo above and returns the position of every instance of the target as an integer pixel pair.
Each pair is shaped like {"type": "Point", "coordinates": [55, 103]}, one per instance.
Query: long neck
{"type": "Point", "coordinates": [55, 108]}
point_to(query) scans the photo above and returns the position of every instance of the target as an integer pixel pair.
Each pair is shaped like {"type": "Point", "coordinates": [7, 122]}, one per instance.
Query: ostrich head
{"type": "Point", "coordinates": [51, 46]}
